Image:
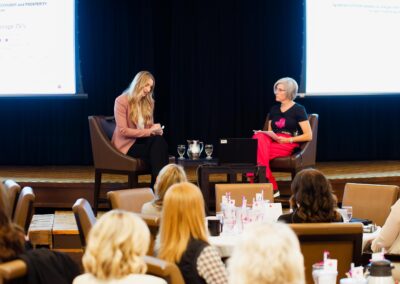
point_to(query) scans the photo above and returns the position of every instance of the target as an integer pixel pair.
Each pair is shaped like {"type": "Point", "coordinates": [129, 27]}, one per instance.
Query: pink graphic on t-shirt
{"type": "Point", "coordinates": [280, 123]}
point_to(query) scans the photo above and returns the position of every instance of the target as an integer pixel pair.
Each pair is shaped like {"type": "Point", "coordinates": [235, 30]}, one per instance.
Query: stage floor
{"type": "Point", "coordinates": [60, 186]}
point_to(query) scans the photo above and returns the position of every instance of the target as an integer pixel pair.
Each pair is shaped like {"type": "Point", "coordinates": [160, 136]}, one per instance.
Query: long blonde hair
{"type": "Point", "coordinates": [183, 218]}
{"type": "Point", "coordinates": [169, 175]}
{"type": "Point", "coordinates": [116, 245]}
{"type": "Point", "coordinates": [146, 104]}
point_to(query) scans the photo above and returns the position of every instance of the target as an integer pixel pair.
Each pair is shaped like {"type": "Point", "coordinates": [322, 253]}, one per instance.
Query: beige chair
{"type": "Point", "coordinates": [84, 217]}
{"type": "Point", "coordinates": [153, 222]}
{"type": "Point", "coordinates": [12, 190]}
{"type": "Point", "coordinates": [12, 270]}
{"type": "Point", "coordinates": [238, 190]}
{"type": "Point", "coordinates": [164, 269]}
{"type": "Point", "coordinates": [370, 201]}
{"type": "Point", "coordinates": [24, 209]}
{"type": "Point", "coordinates": [130, 199]}
{"type": "Point", "coordinates": [306, 155]}
{"type": "Point", "coordinates": [342, 240]}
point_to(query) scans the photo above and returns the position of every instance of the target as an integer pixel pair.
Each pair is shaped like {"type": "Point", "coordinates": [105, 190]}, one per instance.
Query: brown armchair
{"type": "Point", "coordinates": [24, 209]}
{"type": "Point", "coordinates": [164, 269]}
{"type": "Point", "coordinates": [107, 159]}
{"type": "Point", "coordinates": [12, 270]}
{"type": "Point", "coordinates": [84, 218]}
{"type": "Point", "coordinates": [153, 223]}
{"type": "Point", "coordinates": [342, 240]}
{"type": "Point", "coordinates": [130, 199]}
{"type": "Point", "coordinates": [304, 157]}
{"type": "Point", "coordinates": [12, 190]}
{"type": "Point", "coordinates": [370, 201]}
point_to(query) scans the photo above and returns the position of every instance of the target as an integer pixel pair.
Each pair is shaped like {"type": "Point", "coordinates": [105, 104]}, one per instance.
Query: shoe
{"type": "Point", "coordinates": [277, 193]}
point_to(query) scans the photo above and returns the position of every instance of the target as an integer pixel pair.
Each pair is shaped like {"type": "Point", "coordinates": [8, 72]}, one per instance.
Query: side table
{"type": "Point", "coordinates": [189, 163]}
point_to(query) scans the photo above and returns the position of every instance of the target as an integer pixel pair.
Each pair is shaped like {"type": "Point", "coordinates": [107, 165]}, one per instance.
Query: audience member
{"type": "Point", "coordinates": [312, 200]}
{"type": "Point", "coordinates": [43, 266]}
{"type": "Point", "coordinates": [183, 236]}
{"type": "Point", "coordinates": [389, 237]}
{"type": "Point", "coordinates": [267, 253]}
{"type": "Point", "coordinates": [12, 238]}
{"type": "Point", "coordinates": [116, 245]}
{"type": "Point", "coordinates": [168, 176]}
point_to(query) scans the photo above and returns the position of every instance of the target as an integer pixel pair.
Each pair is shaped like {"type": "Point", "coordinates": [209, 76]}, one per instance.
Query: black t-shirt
{"type": "Point", "coordinates": [288, 121]}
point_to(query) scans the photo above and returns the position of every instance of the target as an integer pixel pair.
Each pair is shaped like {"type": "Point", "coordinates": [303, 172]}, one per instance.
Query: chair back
{"type": "Point", "coordinates": [24, 209]}
{"type": "Point", "coordinates": [12, 270]}
{"type": "Point", "coordinates": [164, 269]}
{"type": "Point", "coordinates": [342, 240]}
{"type": "Point", "coordinates": [84, 218]}
{"type": "Point", "coordinates": [11, 190]}
{"type": "Point", "coordinates": [305, 157]}
{"type": "Point", "coordinates": [238, 190]}
{"type": "Point", "coordinates": [370, 201]}
{"type": "Point", "coordinates": [153, 223]}
{"type": "Point", "coordinates": [105, 155]}
{"type": "Point", "coordinates": [130, 199]}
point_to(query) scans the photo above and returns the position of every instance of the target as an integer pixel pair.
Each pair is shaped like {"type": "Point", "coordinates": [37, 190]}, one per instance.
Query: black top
{"type": "Point", "coordinates": [46, 266]}
{"type": "Point", "coordinates": [294, 218]}
{"type": "Point", "coordinates": [188, 263]}
{"type": "Point", "coordinates": [288, 121]}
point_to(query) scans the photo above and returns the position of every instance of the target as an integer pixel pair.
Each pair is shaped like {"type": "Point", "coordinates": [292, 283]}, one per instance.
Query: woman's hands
{"type": "Point", "coordinates": [156, 129]}
{"type": "Point", "coordinates": [283, 140]}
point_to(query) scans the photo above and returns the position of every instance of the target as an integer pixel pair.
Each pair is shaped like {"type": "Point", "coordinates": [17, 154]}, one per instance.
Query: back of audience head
{"type": "Point", "coordinates": [12, 238]}
{"type": "Point", "coordinates": [267, 253]}
{"type": "Point", "coordinates": [116, 245]}
{"type": "Point", "coordinates": [312, 197]}
{"type": "Point", "coordinates": [182, 219]}
{"type": "Point", "coordinates": [169, 175]}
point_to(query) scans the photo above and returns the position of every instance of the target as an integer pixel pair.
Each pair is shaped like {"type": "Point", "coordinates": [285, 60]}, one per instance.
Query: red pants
{"type": "Point", "coordinates": [269, 149]}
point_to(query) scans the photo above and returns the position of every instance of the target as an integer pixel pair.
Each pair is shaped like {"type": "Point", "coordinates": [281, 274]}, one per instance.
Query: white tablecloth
{"type": "Point", "coordinates": [225, 244]}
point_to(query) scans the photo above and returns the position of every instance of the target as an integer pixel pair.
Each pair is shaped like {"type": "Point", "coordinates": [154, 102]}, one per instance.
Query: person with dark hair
{"type": "Point", "coordinates": [136, 134]}
{"type": "Point", "coordinates": [43, 266]}
{"type": "Point", "coordinates": [289, 121]}
{"type": "Point", "coordinates": [12, 238]}
{"type": "Point", "coordinates": [312, 199]}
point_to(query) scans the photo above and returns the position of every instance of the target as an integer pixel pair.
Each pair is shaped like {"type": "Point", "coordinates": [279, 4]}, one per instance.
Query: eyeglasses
{"type": "Point", "coordinates": [279, 90]}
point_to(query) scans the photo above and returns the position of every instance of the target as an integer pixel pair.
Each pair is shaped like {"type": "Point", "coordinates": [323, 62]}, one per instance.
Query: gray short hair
{"type": "Point", "coordinates": [290, 86]}
{"type": "Point", "coordinates": [267, 253]}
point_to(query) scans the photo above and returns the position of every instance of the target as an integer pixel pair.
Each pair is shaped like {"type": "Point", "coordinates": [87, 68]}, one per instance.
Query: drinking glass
{"type": "Point", "coordinates": [209, 150]}
{"type": "Point", "coordinates": [343, 212]}
{"type": "Point", "coordinates": [181, 151]}
{"type": "Point", "coordinates": [349, 211]}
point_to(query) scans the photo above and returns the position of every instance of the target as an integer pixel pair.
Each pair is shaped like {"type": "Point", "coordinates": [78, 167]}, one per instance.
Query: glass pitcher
{"type": "Point", "coordinates": [195, 147]}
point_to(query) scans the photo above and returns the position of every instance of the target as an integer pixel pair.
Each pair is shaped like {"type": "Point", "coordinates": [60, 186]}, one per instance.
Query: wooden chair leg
{"type": "Point", "coordinates": [132, 180]}
{"type": "Point", "coordinates": [97, 185]}
{"type": "Point", "coordinates": [293, 175]}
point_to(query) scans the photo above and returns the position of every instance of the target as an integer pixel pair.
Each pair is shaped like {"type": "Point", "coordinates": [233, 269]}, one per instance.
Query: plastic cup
{"type": "Point", "coordinates": [325, 276]}
{"type": "Point", "coordinates": [353, 281]}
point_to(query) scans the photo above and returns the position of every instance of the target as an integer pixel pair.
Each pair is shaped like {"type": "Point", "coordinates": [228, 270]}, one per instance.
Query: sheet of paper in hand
{"type": "Point", "coordinates": [269, 133]}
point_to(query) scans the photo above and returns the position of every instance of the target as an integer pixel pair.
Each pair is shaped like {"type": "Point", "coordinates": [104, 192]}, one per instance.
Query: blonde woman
{"type": "Point", "coordinates": [267, 254]}
{"type": "Point", "coordinates": [116, 245]}
{"type": "Point", "coordinates": [136, 134]}
{"type": "Point", "coordinates": [169, 175]}
{"type": "Point", "coordinates": [183, 236]}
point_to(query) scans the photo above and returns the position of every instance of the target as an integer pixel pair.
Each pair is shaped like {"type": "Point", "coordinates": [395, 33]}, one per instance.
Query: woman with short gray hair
{"type": "Point", "coordinates": [290, 123]}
